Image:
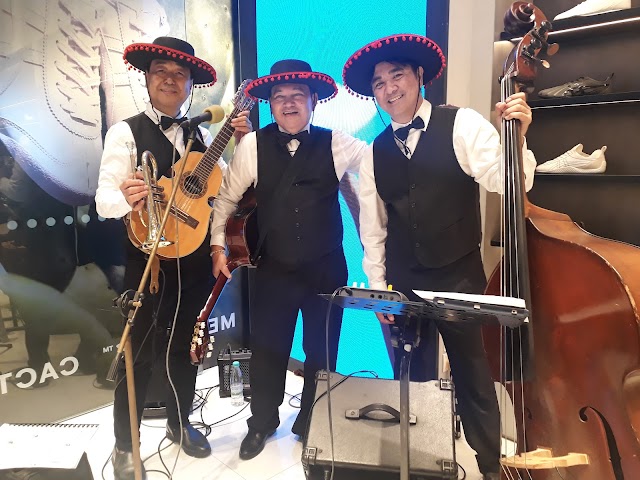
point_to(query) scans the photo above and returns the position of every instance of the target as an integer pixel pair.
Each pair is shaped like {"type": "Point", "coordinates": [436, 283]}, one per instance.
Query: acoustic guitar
{"type": "Point", "coordinates": [188, 223]}
{"type": "Point", "coordinates": [242, 237]}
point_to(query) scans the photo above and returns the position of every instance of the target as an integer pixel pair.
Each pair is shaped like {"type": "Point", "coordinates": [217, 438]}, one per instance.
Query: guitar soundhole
{"type": "Point", "coordinates": [193, 186]}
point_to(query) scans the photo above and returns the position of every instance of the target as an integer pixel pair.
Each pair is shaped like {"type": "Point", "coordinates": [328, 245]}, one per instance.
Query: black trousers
{"type": "Point", "coordinates": [150, 332]}
{"type": "Point", "coordinates": [474, 388]}
{"type": "Point", "coordinates": [279, 294]}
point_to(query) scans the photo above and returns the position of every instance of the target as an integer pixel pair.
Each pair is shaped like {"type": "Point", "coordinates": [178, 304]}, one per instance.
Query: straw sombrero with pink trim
{"type": "Point", "coordinates": [358, 70]}
{"type": "Point", "coordinates": [293, 71]}
{"type": "Point", "coordinates": [140, 55]}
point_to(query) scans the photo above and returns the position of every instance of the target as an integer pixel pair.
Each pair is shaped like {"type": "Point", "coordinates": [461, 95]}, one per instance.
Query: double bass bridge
{"type": "Point", "coordinates": [542, 458]}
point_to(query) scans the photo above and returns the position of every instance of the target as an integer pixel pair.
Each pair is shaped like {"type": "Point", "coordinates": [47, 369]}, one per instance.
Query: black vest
{"type": "Point", "coordinates": [308, 224]}
{"type": "Point", "coordinates": [148, 136]}
{"type": "Point", "coordinates": [432, 205]}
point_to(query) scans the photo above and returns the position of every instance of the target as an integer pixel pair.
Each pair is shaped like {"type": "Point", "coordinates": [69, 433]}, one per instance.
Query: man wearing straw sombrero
{"type": "Point", "coordinates": [295, 168]}
{"type": "Point", "coordinates": [420, 213]}
{"type": "Point", "coordinates": [171, 70]}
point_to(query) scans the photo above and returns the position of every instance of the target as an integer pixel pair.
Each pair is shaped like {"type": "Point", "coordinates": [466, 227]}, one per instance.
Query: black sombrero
{"type": "Point", "coordinates": [293, 71]}
{"type": "Point", "coordinates": [140, 55]}
{"type": "Point", "coordinates": [358, 70]}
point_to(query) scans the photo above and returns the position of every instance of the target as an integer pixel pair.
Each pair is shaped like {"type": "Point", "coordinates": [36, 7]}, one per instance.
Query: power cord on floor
{"type": "Point", "coordinates": [292, 398]}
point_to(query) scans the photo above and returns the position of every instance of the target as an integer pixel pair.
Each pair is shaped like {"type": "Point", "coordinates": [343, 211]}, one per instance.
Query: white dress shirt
{"type": "Point", "coordinates": [476, 144]}
{"type": "Point", "coordinates": [116, 163]}
{"type": "Point", "coordinates": [243, 172]}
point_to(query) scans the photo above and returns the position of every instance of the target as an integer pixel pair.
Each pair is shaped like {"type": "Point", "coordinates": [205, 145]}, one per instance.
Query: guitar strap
{"type": "Point", "coordinates": [293, 169]}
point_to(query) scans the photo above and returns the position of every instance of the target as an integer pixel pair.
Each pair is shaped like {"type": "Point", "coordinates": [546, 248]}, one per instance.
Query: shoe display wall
{"type": "Point", "coordinates": [586, 120]}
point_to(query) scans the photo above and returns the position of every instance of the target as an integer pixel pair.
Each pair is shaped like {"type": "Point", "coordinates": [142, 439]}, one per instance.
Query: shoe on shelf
{"type": "Point", "coordinates": [576, 161]}
{"type": "Point", "coordinates": [122, 461]}
{"type": "Point", "coordinates": [590, 7]}
{"type": "Point", "coordinates": [580, 86]}
{"type": "Point", "coordinates": [194, 443]}
{"type": "Point", "coordinates": [253, 443]}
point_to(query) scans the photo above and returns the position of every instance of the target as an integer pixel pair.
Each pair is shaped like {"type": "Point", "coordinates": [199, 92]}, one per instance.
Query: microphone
{"type": "Point", "coordinates": [212, 114]}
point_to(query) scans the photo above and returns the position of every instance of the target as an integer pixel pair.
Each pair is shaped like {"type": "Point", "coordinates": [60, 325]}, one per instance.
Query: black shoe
{"type": "Point", "coordinates": [194, 443]}
{"type": "Point", "coordinates": [491, 476]}
{"type": "Point", "coordinates": [578, 87]}
{"type": "Point", "coordinates": [123, 465]}
{"type": "Point", "coordinates": [253, 444]}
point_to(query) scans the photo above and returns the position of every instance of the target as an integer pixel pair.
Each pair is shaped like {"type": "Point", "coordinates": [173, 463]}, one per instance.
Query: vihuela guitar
{"type": "Point", "coordinates": [188, 223]}
{"type": "Point", "coordinates": [242, 237]}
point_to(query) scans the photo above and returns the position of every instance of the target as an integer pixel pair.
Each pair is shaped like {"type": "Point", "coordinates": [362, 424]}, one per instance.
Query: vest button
{"type": "Point", "coordinates": [297, 224]}
{"type": "Point", "coordinates": [415, 225]}
{"type": "Point", "coordinates": [296, 210]}
{"type": "Point", "coordinates": [413, 204]}
{"type": "Point", "coordinates": [417, 244]}
{"type": "Point", "coordinates": [299, 238]}
{"type": "Point", "coordinates": [413, 185]}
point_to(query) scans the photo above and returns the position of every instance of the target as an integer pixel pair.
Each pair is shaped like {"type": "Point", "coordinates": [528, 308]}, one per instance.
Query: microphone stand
{"type": "Point", "coordinates": [124, 347]}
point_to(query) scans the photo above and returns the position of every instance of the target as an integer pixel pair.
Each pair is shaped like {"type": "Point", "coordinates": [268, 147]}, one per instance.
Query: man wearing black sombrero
{"type": "Point", "coordinates": [420, 213]}
{"type": "Point", "coordinates": [295, 168]}
{"type": "Point", "coordinates": [171, 70]}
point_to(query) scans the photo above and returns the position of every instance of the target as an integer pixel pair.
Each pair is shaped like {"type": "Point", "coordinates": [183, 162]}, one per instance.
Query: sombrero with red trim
{"type": "Point", "coordinates": [140, 55]}
{"type": "Point", "coordinates": [358, 70]}
{"type": "Point", "coordinates": [293, 71]}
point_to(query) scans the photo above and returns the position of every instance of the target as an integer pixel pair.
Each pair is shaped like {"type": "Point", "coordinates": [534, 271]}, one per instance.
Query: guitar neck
{"type": "Point", "coordinates": [221, 281]}
{"type": "Point", "coordinates": [212, 155]}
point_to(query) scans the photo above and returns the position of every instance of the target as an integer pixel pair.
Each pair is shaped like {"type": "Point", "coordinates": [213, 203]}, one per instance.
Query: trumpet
{"type": "Point", "coordinates": [153, 208]}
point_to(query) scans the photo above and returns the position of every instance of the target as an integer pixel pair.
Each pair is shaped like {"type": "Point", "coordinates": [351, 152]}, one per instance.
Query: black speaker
{"type": "Point", "coordinates": [225, 360]}
{"type": "Point", "coordinates": [366, 441]}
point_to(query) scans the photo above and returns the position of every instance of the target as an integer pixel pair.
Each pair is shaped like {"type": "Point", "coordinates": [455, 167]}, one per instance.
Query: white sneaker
{"type": "Point", "coordinates": [590, 7]}
{"type": "Point", "coordinates": [576, 161]}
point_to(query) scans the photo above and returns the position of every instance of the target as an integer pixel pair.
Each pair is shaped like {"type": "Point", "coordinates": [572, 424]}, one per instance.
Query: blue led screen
{"type": "Point", "coordinates": [325, 33]}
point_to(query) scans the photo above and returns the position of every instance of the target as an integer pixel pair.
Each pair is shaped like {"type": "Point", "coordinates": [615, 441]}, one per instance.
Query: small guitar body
{"type": "Point", "coordinates": [242, 237]}
{"type": "Point", "coordinates": [188, 222]}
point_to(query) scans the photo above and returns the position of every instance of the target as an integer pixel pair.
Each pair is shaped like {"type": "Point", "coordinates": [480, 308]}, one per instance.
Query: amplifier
{"type": "Point", "coordinates": [366, 441]}
{"type": "Point", "coordinates": [225, 360]}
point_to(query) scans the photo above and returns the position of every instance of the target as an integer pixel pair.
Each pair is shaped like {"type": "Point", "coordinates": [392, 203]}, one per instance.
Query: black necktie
{"type": "Point", "coordinates": [166, 122]}
{"type": "Point", "coordinates": [403, 132]}
{"type": "Point", "coordinates": [284, 138]}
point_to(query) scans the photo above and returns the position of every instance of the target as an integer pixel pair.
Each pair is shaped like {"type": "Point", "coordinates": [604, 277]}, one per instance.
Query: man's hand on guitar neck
{"type": "Point", "coordinates": [242, 125]}
{"type": "Point", "coordinates": [219, 261]}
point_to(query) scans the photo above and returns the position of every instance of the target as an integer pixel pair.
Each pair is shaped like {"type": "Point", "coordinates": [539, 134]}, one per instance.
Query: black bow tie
{"type": "Point", "coordinates": [284, 138]}
{"type": "Point", "coordinates": [403, 132]}
{"type": "Point", "coordinates": [166, 122]}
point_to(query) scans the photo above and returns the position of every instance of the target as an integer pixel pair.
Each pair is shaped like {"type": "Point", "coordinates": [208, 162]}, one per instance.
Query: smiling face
{"type": "Point", "coordinates": [292, 105]}
{"type": "Point", "coordinates": [396, 88]}
{"type": "Point", "coordinates": [169, 84]}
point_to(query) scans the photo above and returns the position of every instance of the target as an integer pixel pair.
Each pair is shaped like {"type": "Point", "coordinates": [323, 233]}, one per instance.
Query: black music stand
{"type": "Point", "coordinates": [452, 307]}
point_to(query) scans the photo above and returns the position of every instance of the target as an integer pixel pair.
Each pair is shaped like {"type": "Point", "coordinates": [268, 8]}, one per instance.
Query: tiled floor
{"type": "Point", "coordinates": [280, 459]}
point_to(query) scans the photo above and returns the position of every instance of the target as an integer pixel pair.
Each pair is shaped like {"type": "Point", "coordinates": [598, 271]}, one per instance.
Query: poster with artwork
{"type": "Point", "coordinates": [63, 83]}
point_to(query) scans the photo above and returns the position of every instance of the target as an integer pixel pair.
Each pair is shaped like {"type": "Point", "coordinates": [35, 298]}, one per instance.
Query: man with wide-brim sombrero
{"type": "Point", "coordinates": [171, 70]}
{"type": "Point", "coordinates": [419, 190]}
{"type": "Point", "coordinates": [295, 168]}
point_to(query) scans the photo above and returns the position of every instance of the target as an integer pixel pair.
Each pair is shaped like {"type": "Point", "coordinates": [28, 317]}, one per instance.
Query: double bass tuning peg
{"type": "Point", "coordinates": [540, 38]}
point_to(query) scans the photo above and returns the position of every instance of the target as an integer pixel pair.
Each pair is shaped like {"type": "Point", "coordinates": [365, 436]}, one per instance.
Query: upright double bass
{"type": "Point", "coordinates": [573, 372]}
